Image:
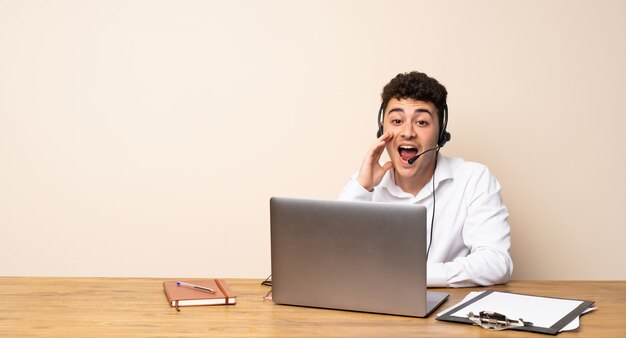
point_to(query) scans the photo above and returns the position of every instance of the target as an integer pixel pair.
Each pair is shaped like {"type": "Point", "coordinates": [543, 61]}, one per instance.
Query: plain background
{"type": "Point", "coordinates": [145, 138]}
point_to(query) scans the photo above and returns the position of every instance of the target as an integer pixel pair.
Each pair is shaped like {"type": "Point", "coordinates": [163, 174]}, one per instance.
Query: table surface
{"type": "Point", "coordinates": [137, 307]}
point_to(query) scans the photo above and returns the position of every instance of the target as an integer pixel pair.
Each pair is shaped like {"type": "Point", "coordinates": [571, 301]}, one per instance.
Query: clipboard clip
{"type": "Point", "coordinates": [495, 321]}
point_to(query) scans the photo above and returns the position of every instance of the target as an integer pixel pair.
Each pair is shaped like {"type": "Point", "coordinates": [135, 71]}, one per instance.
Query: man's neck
{"type": "Point", "coordinates": [413, 185]}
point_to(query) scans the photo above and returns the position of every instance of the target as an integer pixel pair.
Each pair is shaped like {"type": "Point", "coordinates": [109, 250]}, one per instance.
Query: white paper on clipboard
{"type": "Point", "coordinates": [541, 311]}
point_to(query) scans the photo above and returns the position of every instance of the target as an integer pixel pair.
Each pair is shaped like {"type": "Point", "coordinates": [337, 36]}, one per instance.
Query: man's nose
{"type": "Point", "coordinates": [408, 131]}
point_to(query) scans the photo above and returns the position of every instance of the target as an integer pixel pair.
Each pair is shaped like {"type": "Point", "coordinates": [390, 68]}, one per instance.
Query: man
{"type": "Point", "coordinates": [468, 231]}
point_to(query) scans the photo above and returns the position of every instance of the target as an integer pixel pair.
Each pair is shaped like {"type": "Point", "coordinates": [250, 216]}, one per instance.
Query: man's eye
{"type": "Point", "coordinates": [396, 121]}
{"type": "Point", "coordinates": [422, 123]}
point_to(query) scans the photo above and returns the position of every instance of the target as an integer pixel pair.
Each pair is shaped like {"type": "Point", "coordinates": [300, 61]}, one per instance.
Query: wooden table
{"type": "Point", "coordinates": [136, 307]}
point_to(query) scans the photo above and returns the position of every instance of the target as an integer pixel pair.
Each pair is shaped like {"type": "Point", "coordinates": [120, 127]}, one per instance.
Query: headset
{"type": "Point", "coordinates": [444, 135]}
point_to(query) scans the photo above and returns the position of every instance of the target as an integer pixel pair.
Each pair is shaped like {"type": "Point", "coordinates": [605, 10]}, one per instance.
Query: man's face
{"type": "Point", "coordinates": [415, 129]}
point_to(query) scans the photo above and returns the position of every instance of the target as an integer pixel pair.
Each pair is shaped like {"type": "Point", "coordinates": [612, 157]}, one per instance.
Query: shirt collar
{"type": "Point", "coordinates": [443, 172]}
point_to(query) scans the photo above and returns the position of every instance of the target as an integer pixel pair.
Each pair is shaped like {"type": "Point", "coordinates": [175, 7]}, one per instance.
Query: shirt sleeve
{"type": "Point", "coordinates": [486, 233]}
{"type": "Point", "coordinates": [353, 191]}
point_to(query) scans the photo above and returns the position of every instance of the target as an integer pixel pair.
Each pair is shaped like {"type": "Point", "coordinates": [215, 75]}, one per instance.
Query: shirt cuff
{"type": "Point", "coordinates": [436, 275]}
{"type": "Point", "coordinates": [353, 191]}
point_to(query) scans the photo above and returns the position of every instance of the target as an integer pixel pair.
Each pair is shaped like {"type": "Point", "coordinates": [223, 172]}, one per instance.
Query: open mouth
{"type": "Point", "coordinates": [407, 152]}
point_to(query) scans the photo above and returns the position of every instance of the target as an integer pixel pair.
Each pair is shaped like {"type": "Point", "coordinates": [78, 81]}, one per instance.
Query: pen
{"type": "Point", "coordinates": [197, 287]}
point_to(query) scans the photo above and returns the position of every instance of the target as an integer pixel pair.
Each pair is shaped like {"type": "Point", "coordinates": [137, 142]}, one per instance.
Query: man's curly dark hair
{"type": "Point", "coordinates": [417, 86]}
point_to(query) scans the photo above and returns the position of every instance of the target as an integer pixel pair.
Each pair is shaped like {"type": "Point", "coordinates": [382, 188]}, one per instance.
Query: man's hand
{"type": "Point", "coordinates": [371, 172]}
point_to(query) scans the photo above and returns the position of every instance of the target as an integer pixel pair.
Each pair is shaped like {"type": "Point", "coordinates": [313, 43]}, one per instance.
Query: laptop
{"type": "Point", "coordinates": [357, 256]}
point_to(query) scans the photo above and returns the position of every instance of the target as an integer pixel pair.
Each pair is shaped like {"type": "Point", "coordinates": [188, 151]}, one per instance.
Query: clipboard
{"type": "Point", "coordinates": [548, 315]}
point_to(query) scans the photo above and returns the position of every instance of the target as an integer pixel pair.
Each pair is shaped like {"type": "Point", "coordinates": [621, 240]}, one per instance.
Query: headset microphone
{"type": "Point", "coordinates": [414, 158]}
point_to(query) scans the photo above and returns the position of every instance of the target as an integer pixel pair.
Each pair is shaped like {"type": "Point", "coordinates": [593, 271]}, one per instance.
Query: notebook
{"type": "Point", "coordinates": [358, 256]}
{"type": "Point", "coordinates": [192, 292]}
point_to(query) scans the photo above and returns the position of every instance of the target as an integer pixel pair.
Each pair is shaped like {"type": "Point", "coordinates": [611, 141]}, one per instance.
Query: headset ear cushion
{"type": "Point", "coordinates": [445, 137]}
{"type": "Point", "coordinates": [379, 120]}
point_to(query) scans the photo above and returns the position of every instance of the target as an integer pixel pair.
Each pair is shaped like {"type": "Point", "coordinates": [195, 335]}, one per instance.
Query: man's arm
{"type": "Point", "coordinates": [486, 232]}
{"type": "Point", "coordinates": [353, 191]}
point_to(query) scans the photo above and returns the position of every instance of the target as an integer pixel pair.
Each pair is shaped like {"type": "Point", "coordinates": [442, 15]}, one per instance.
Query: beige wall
{"type": "Point", "coordinates": [144, 138]}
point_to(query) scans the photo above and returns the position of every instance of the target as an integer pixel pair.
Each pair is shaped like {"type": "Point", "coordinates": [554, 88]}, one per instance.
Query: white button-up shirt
{"type": "Point", "coordinates": [471, 232]}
